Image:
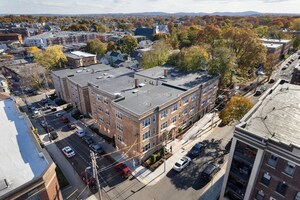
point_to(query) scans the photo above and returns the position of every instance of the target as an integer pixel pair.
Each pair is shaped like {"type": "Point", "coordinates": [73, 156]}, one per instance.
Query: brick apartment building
{"type": "Point", "coordinates": [142, 111]}
{"type": "Point", "coordinates": [62, 38]}
{"type": "Point", "coordinates": [264, 160]}
{"type": "Point", "coordinates": [275, 49]}
{"type": "Point", "coordinates": [80, 59]}
{"type": "Point", "coordinates": [11, 37]}
{"type": "Point", "coordinates": [26, 170]}
{"type": "Point", "coordinates": [286, 44]}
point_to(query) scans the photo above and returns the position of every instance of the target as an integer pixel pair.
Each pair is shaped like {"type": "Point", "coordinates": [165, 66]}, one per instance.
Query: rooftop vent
{"type": "Point", "coordinates": [78, 71]}
{"type": "Point", "coordinates": [162, 77]}
{"type": "Point", "coordinates": [135, 91]}
{"type": "Point", "coordinates": [110, 76]}
{"type": "Point", "coordinates": [105, 74]}
{"type": "Point", "coordinates": [142, 84]}
{"type": "Point", "coordinates": [70, 75]}
{"type": "Point", "coordinates": [99, 77]}
{"type": "Point", "coordinates": [117, 94]}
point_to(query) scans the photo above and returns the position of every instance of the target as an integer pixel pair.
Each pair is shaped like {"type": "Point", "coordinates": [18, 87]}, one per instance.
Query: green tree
{"type": "Point", "coordinates": [96, 47]}
{"type": "Point", "coordinates": [270, 64]}
{"type": "Point", "coordinates": [158, 55]}
{"type": "Point", "coordinates": [111, 46]}
{"type": "Point", "coordinates": [193, 58]}
{"type": "Point", "coordinates": [161, 36]}
{"type": "Point", "coordinates": [296, 43]}
{"type": "Point", "coordinates": [51, 58]}
{"type": "Point", "coordinates": [235, 109]}
{"type": "Point", "coordinates": [295, 24]}
{"type": "Point", "coordinates": [262, 31]}
{"type": "Point", "coordinates": [248, 49]}
{"type": "Point", "coordinates": [128, 44]}
{"type": "Point", "coordinates": [222, 62]}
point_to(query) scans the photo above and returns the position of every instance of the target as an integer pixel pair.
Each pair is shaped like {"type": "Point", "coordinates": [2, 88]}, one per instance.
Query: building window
{"type": "Point", "coordinates": [146, 147]}
{"type": "Point", "coordinates": [105, 101]}
{"type": "Point", "coordinates": [192, 107]}
{"type": "Point", "coordinates": [154, 118]}
{"type": "Point", "coordinates": [174, 119]}
{"type": "Point", "coordinates": [164, 125]}
{"type": "Point", "coordinates": [107, 112]}
{"type": "Point", "coordinates": [119, 127]}
{"type": "Point", "coordinates": [99, 108]}
{"type": "Point", "coordinates": [146, 135]}
{"type": "Point", "coordinates": [174, 107]}
{"type": "Point", "coordinates": [153, 132]}
{"type": "Point", "coordinates": [184, 122]}
{"type": "Point", "coordinates": [101, 119]}
{"type": "Point", "coordinates": [260, 195]}
{"type": "Point", "coordinates": [194, 97]}
{"type": "Point", "coordinates": [146, 122]}
{"type": "Point", "coordinates": [118, 115]}
{"type": "Point", "coordinates": [120, 138]}
{"type": "Point", "coordinates": [108, 123]}
{"type": "Point", "coordinates": [185, 101]}
{"type": "Point", "coordinates": [281, 188]}
{"type": "Point", "coordinates": [164, 113]}
{"type": "Point", "coordinates": [265, 179]}
{"type": "Point", "coordinates": [99, 98]}
{"type": "Point", "coordinates": [272, 160]}
{"type": "Point", "coordinates": [185, 111]}
{"type": "Point", "coordinates": [289, 169]}
{"type": "Point", "coordinates": [297, 197]}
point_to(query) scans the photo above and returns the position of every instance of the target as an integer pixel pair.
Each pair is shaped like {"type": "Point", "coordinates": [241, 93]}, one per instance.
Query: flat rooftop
{"type": "Point", "coordinates": [175, 77]}
{"type": "Point", "coordinates": [20, 160]}
{"type": "Point", "coordinates": [81, 70]}
{"type": "Point", "coordinates": [79, 54]}
{"type": "Point", "coordinates": [56, 34]}
{"type": "Point", "coordinates": [277, 116]}
{"type": "Point", "coordinates": [274, 40]}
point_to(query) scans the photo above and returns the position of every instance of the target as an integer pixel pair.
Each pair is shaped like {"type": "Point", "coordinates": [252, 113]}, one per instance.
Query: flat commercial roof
{"type": "Point", "coordinates": [274, 40]}
{"type": "Point", "coordinates": [79, 54]}
{"type": "Point", "coordinates": [277, 116]}
{"type": "Point", "coordinates": [271, 45]}
{"type": "Point", "coordinates": [20, 160]}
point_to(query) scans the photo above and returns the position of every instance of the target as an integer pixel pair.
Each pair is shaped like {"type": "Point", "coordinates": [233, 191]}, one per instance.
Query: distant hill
{"type": "Point", "coordinates": [246, 13]}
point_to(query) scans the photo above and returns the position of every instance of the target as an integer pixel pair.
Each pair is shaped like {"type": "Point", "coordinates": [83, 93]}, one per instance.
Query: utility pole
{"type": "Point", "coordinates": [95, 173]}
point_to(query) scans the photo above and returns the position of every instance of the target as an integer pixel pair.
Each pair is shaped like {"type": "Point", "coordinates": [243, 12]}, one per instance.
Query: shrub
{"type": "Point", "coordinates": [162, 152]}
{"type": "Point", "coordinates": [153, 158]}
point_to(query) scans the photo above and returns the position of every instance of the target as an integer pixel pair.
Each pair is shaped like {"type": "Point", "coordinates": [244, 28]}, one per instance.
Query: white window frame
{"type": "Point", "coordinates": [119, 115]}
{"type": "Point", "coordinates": [146, 135]}
{"type": "Point", "coordinates": [292, 166]}
{"type": "Point", "coordinates": [164, 114]}
{"type": "Point", "coordinates": [146, 147]}
{"type": "Point", "coordinates": [119, 127]}
{"type": "Point", "coordinates": [164, 125]}
{"type": "Point", "coordinates": [194, 97]}
{"type": "Point", "coordinates": [174, 119]}
{"type": "Point", "coordinates": [174, 107]}
{"type": "Point", "coordinates": [185, 111]}
{"type": "Point", "coordinates": [107, 112]}
{"type": "Point", "coordinates": [99, 98]}
{"type": "Point", "coordinates": [185, 100]}
{"type": "Point", "coordinates": [120, 138]}
{"type": "Point", "coordinates": [146, 122]}
{"type": "Point", "coordinates": [105, 101]}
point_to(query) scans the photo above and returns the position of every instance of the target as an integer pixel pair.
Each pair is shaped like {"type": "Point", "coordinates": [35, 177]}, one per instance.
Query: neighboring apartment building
{"type": "Point", "coordinates": [80, 59]}
{"type": "Point", "coordinates": [143, 111]}
{"type": "Point", "coordinates": [286, 44]}
{"type": "Point", "coordinates": [26, 170]}
{"type": "Point", "coordinates": [62, 38]}
{"type": "Point", "coordinates": [275, 49]}
{"type": "Point", "coordinates": [264, 160]}
{"type": "Point", "coordinates": [11, 37]}
{"type": "Point", "coordinates": [296, 76]}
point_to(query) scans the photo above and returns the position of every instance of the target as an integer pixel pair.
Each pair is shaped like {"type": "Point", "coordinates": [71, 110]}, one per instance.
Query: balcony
{"type": "Point", "coordinates": [244, 158]}
{"type": "Point", "coordinates": [240, 173]}
{"type": "Point", "coordinates": [234, 192]}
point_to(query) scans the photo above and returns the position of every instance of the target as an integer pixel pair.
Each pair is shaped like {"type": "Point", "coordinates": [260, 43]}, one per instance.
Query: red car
{"type": "Point", "coordinates": [123, 170]}
{"type": "Point", "coordinates": [87, 178]}
{"type": "Point", "coordinates": [64, 119]}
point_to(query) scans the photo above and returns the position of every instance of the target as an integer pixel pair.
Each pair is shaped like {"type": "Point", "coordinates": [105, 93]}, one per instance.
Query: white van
{"type": "Point", "coordinates": [80, 132]}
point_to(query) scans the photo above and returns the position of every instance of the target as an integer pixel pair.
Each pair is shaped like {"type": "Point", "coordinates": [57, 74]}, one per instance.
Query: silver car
{"type": "Point", "coordinates": [182, 163]}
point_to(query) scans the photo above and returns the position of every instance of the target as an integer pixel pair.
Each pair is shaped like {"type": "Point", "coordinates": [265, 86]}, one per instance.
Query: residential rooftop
{"type": "Point", "coordinates": [56, 34]}
{"type": "Point", "coordinates": [276, 116]}
{"type": "Point", "coordinates": [176, 77]}
{"type": "Point", "coordinates": [79, 54]}
{"type": "Point", "coordinates": [272, 45]}
{"type": "Point", "coordinates": [21, 161]}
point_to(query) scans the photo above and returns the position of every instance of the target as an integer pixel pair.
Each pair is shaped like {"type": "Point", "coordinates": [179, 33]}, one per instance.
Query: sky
{"type": "Point", "coordinates": [130, 6]}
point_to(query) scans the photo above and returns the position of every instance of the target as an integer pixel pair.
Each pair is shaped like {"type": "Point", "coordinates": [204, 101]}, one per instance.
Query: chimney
{"type": "Point", "coordinates": [136, 83]}
{"type": "Point", "coordinates": [165, 72]}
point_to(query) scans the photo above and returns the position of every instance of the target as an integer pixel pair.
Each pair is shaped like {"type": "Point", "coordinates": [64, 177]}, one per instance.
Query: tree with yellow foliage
{"type": "Point", "coordinates": [52, 58]}
{"type": "Point", "coordinates": [235, 109]}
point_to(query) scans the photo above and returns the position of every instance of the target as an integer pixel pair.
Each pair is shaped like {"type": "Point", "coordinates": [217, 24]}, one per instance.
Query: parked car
{"type": "Point", "coordinates": [53, 108]}
{"type": "Point", "coordinates": [284, 68]}
{"type": "Point", "coordinates": [58, 114]}
{"type": "Point", "coordinates": [80, 132]}
{"type": "Point", "coordinates": [272, 80]}
{"type": "Point", "coordinates": [87, 177]}
{"type": "Point", "coordinates": [96, 148]}
{"type": "Point", "coordinates": [64, 119]}
{"type": "Point", "coordinates": [48, 106]}
{"type": "Point", "coordinates": [72, 126]}
{"type": "Point", "coordinates": [198, 149]}
{"type": "Point", "coordinates": [53, 135]}
{"type": "Point", "coordinates": [68, 151]}
{"type": "Point", "coordinates": [123, 170]}
{"type": "Point", "coordinates": [182, 163]}
{"type": "Point", "coordinates": [210, 170]}
{"type": "Point", "coordinates": [262, 88]}
{"type": "Point", "coordinates": [48, 128]}
{"type": "Point", "coordinates": [44, 101]}
{"type": "Point", "coordinates": [88, 139]}
{"type": "Point", "coordinates": [257, 93]}
{"type": "Point", "coordinates": [43, 123]}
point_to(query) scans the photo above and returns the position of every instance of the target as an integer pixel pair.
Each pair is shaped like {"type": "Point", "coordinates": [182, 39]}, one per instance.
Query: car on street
{"type": "Point", "coordinates": [198, 149]}
{"type": "Point", "coordinates": [48, 106]}
{"type": "Point", "coordinates": [210, 170]}
{"type": "Point", "coordinates": [284, 68]}
{"type": "Point", "coordinates": [272, 80]}
{"type": "Point", "coordinates": [80, 132]}
{"type": "Point", "coordinates": [43, 123]}
{"type": "Point", "coordinates": [262, 88]}
{"type": "Point", "coordinates": [88, 139]}
{"type": "Point", "coordinates": [64, 119]}
{"type": "Point", "coordinates": [58, 114]}
{"type": "Point", "coordinates": [68, 151]}
{"type": "Point", "coordinates": [182, 163]}
{"type": "Point", "coordinates": [72, 126]}
{"type": "Point", "coordinates": [48, 128]}
{"type": "Point", "coordinates": [53, 108]}
{"type": "Point", "coordinates": [123, 170]}
{"type": "Point", "coordinates": [257, 93]}
{"type": "Point", "coordinates": [53, 135]}
{"type": "Point", "coordinates": [96, 148]}
{"type": "Point", "coordinates": [87, 177]}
